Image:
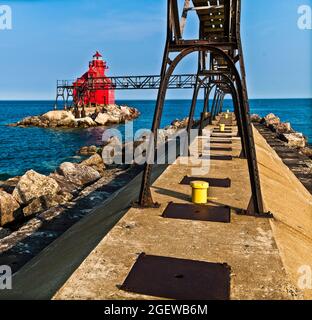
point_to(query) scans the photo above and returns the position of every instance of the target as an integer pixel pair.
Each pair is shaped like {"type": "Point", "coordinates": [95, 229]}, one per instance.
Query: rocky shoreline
{"type": "Point", "coordinates": [291, 146]}
{"type": "Point", "coordinates": [285, 133]}
{"type": "Point", "coordinates": [108, 115]}
{"type": "Point", "coordinates": [36, 209]}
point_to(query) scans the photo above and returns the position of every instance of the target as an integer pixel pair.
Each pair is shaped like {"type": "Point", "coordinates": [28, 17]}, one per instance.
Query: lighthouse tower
{"type": "Point", "coordinates": [94, 87]}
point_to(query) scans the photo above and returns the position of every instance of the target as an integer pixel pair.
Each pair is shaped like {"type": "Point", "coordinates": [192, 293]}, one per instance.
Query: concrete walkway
{"type": "Point", "coordinates": [246, 244]}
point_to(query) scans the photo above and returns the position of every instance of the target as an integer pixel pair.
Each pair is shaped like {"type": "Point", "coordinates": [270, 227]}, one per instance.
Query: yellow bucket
{"type": "Point", "coordinates": [200, 192]}
{"type": "Point", "coordinates": [222, 127]}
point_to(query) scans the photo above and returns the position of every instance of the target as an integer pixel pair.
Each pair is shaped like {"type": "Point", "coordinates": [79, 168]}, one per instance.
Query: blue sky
{"type": "Point", "coordinates": [55, 39]}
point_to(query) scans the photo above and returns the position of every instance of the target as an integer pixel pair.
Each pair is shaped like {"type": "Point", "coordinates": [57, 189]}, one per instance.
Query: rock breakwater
{"type": "Point", "coordinates": [109, 115]}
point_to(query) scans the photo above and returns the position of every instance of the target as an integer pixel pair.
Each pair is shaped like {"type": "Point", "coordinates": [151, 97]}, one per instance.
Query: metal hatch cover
{"type": "Point", "coordinates": [217, 157]}
{"type": "Point", "coordinates": [219, 149]}
{"type": "Point", "coordinates": [178, 279]}
{"type": "Point", "coordinates": [221, 136]}
{"type": "Point", "coordinates": [184, 211]}
{"type": "Point", "coordinates": [221, 142]}
{"type": "Point", "coordinates": [213, 182]}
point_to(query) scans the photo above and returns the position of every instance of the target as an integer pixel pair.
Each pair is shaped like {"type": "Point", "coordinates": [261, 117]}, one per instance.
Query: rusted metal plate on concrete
{"type": "Point", "coordinates": [221, 142]}
{"type": "Point", "coordinates": [198, 212]}
{"type": "Point", "coordinates": [221, 158]}
{"type": "Point", "coordinates": [227, 130]}
{"type": "Point", "coordinates": [219, 149]}
{"type": "Point", "coordinates": [213, 182]}
{"type": "Point", "coordinates": [221, 136]}
{"type": "Point", "coordinates": [217, 157]}
{"type": "Point", "coordinates": [178, 279]}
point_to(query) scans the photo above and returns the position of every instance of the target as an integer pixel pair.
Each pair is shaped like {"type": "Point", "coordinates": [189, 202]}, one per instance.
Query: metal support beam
{"type": "Point", "coordinates": [205, 110]}
{"type": "Point", "coordinates": [238, 82]}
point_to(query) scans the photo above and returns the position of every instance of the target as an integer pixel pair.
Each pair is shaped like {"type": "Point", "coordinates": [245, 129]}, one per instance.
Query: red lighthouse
{"type": "Point", "coordinates": [94, 87]}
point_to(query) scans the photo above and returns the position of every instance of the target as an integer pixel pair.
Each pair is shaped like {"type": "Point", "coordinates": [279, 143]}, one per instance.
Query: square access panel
{"type": "Point", "coordinates": [220, 149]}
{"type": "Point", "coordinates": [226, 130]}
{"type": "Point", "coordinates": [221, 141]}
{"type": "Point", "coordinates": [178, 279]}
{"type": "Point", "coordinates": [221, 136]}
{"type": "Point", "coordinates": [217, 157]}
{"type": "Point", "coordinates": [184, 211]}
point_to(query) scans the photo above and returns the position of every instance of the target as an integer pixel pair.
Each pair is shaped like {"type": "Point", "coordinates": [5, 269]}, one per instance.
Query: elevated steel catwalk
{"type": "Point", "coordinates": [65, 88]}
{"type": "Point", "coordinates": [219, 49]}
{"type": "Point", "coordinates": [183, 81]}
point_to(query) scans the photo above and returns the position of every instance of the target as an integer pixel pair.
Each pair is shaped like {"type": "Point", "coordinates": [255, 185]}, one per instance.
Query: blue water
{"type": "Point", "coordinates": [44, 150]}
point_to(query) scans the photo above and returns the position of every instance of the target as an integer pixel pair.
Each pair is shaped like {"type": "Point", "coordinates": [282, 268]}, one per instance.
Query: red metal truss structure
{"type": "Point", "coordinates": [221, 62]}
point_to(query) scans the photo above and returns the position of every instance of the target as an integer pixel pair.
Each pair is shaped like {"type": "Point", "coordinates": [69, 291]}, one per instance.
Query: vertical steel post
{"type": "Point", "coordinates": [257, 200]}
{"type": "Point", "coordinates": [205, 110]}
{"type": "Point", "coordinates": [213, 105]}
{"type": "Point", "coordinates": [145, 199]}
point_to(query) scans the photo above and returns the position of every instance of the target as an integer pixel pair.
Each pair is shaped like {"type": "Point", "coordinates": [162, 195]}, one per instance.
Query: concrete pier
{"type": "Point", "coordinates": [264, 254]}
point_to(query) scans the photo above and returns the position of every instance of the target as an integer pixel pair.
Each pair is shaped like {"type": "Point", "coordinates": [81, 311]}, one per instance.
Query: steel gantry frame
{"type": "Point", "coordinates": [219, 50]}
{"type": "Point", "coordinates": [65, 88]}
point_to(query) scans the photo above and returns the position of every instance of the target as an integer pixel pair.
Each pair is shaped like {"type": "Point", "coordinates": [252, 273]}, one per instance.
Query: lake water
{"type": "Point", "coordinates": [44, 150]}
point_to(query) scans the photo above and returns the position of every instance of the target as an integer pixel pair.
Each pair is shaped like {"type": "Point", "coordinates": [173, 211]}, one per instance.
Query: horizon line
{"type": "Point", "coordinates": [172, 99]}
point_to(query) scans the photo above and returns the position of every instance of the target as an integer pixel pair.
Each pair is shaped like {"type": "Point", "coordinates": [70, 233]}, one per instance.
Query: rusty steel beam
{"type": "Point", "coordinates": [174, 10]}
{"type": "Point", "coordinates": [219, 40]}
{"type": "Point", "coordinates": [179, 81]}
{"type": "Point", "coordinates": [186, 6]}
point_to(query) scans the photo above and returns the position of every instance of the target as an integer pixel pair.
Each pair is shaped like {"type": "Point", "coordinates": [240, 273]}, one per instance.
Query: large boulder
{"type": "Point", "coordinates": [115, 118]}
{"type": "Point", "coordinates": [284, 128]}
{"type": "Point", "coordinates": [88, 150]}
{"type": "Point", "coordinates": [125, 111]}
{"type": "Point", "coordinates": [86, 122]}
{"type": "Point", "coordinates": [102, 119]}
{"type": "Point", "coordinates": [58, 118]}
{"type": "Point", "coordinates": [46, 202]}
{"type": "Point", "coordinates": [33, 185]}
{"type": "Point", "coordinates": [9, 208]}
{"type": "Point", "coordinates": [295, 140]}
{"type": "Point", "coordinates": [255, 118]}
{"type": "Point", "coordinates": [95, 162]}
{"type": "Point", "coordinates": [52, 119]}
{"type": "Point", "coordinates": [79, 174]}
{"type": "Point", "coordinates": [66, 185]}
{"type": "Point", "coordinates": [4, 233]}
{"type": "Point", "coordinates": [135, 113]}
{"type": "Point", "coordinates": [271, 120]}
{"type": "Point", "coordinates": [306, 152]}
{"type": "Point", "coordinates": [180, 124]}
{"type": "Point", "coordinates": [9, 185]}
{"type": "Point", "coordinates": [58, 115]}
